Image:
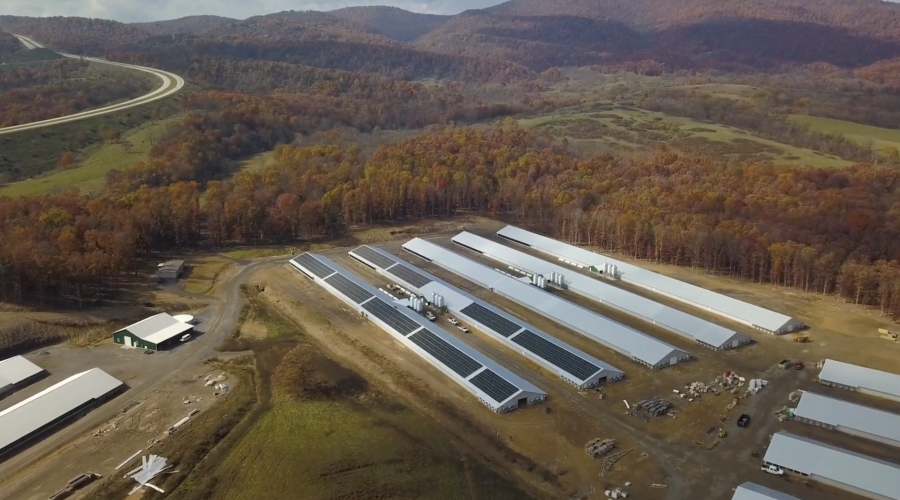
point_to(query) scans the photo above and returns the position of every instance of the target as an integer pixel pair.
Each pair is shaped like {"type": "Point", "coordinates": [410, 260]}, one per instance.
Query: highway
{"type": "Point", "coordinates": [171, 84]}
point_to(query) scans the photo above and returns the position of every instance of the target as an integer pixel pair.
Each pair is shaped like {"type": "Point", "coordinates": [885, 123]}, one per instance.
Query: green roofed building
{"type": "Point", "coordinates": [155, 333]}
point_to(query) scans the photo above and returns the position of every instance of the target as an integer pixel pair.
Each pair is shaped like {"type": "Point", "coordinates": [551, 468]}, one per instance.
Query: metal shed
{"type": "Point", "coordinates": [492, 384]}
{"type": "Point", "coordinates": [639, 347]}
{"type": "Point", "coordinates": [169, 270]}
{"type": "Point", "coordinates": [154, 333]}
{"type": "Point", "coordinates": [680, 323]}
{"type": "Point", "coordinates": [17, 372]}
{"type": "Point", "coordinates": [849, 471]}
{"type": "Point", "coordinates": [861, 379]}
{"type": "Point", "coordinates": [849, 418]}
{"type": "Point", "coordinates": [59, 403]}
{"type": "Point", "coordinates": [753, 491]}
{"type": "Point", "coordinates": [569, 363]}
{"type": "Point", "coordinates": [737, 310]}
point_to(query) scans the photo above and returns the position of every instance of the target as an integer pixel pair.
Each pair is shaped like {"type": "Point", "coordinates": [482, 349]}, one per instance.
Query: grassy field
{"type": "Point", "coordinates": [607, 128]}
{"type": "Point", "coordinates": [881, 137]}
{"type": "Point", "coordinates": [89, 176]}
{"type": "Point", "coordinates": [204, 274]}
{"type": "Point", "coordinates": [342, 449]}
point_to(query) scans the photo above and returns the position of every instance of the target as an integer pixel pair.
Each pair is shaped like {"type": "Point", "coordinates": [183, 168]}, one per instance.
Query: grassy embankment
{"type": "Point", "coordinates": [89, 175]}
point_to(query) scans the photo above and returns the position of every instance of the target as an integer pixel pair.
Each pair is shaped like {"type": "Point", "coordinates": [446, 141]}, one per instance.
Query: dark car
{"type": "Point", "coordinates": [743, 421]}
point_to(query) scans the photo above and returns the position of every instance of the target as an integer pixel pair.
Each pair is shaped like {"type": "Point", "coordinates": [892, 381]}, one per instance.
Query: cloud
{"type": "Point", "coordinates": [155, 10]}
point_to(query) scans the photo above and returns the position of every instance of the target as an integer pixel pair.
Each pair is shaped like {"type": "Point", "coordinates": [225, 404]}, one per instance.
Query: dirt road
{"type": "Point", "coordinates": [216, 323]}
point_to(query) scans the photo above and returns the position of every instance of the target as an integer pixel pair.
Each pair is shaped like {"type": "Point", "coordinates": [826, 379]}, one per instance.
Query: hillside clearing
{"type": "Point", "coordinates": [880, 138]}
{"type": "Point", "coordinates": [615, 128]}
{"type": "Point", "coordinates": [90, 175]}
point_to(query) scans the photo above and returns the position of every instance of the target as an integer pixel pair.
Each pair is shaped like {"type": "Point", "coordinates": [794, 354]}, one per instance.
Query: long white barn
{"type": "Point", "coordinates": [753, 491]}
{"type": "Point", "coordinates": [31, 417]}
{"type": "Point", "coordinates": [861, 379]}
{"type": "Point", "coordinates": [849, 418]}
{"type": "Point", "coordinates": [493, 385]}
{"type": "Point", "coordinates": [569, 363]}
{"type": "Point", "coordinates": [849, 471]}
{"type": "Point", "coordinates": [736, 310]}
{"type": "Point", "coordinates": [641, 348]}
{"type": "Point", "coordinates": [680, 323]}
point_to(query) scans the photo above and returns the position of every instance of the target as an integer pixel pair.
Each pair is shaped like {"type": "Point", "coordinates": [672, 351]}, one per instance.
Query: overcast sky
{"type": "Point", "coordinates": [154, 10]}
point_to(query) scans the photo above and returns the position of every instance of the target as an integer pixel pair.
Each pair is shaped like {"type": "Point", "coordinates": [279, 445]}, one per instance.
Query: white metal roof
{"type": "Point", "coordinates": [838, 372]}
{"type": "Point", "coordinates": [851, 416]}
{"type": "Point", "coordinates": [158, 329]}
{"type": "Point", "coordinates": [15, 370]}
{"type": "Point", "coordinates": [632, 343]}
{"type": "Point", "coordinates": [20, 420]}
{"type": "Point", "coordinates": [753, 491]}
{"type": "Point", "coordinates": [673, 320]}
{"type": "Point", "coordinates": [523, 387]}
{"type": "Point", "coordinates": [694, 295]}
{"type": "Point", "coordinates": [457, 300]}
{"type": "Point", "coordinates": [834, 464]}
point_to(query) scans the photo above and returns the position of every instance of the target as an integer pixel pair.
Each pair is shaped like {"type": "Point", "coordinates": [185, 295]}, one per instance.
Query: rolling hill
{"type": "Point", "coordinates": [398, 24]}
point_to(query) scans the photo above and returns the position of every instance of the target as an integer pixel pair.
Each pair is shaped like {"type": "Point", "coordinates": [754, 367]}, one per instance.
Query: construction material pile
{"type": "Point", "coordinates": [655, 406]}
{"type": "Point", "coordinates": [151, 466]}
{"type": "Point", "coordinates": [596, 448]}
{"type": "Point", "coordinates": [756, 385]}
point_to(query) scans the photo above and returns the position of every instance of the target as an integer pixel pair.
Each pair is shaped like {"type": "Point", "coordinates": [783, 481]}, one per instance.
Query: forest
{"type": "Point", "coordinates": [456, 88]}
{"type": "Point", "coordinates": [30, 93]}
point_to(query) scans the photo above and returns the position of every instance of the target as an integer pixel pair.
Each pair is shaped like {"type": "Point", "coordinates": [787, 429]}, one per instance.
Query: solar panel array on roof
{"type": "Point", "coordinates": [707, 300]}
{"type": "Point", "coordinates": [390, 315]}
{"type": "Point", "coordinates": [451, 356]}
{"type": "Point", "coordinates": [634, 344]}
{"type": "Point", "coordinates": [678, 322]}
{"type": "Point", "coordinates": [493, 321]}
{"type": "Point", "coordinates": [355, 292]}
{"type": "Point", "coordinates": [490, 319]}
{"type": "Point", "coordinates": [374, 257]}
{"type": "Point", "coordinates": [493, 385]}
{"type": "Point", "coordinates": [445, 353]}
{"type": "Point", "coordinates": [408, 275]}
{"type": "Point", "coordinates": [556, 355]}
{"type": "Point", "coordinates": [837, 466]}
{"type": "Point", "coordinates": [314, 266]}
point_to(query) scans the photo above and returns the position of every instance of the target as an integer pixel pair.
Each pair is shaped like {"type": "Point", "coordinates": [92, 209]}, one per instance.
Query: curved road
{"type": "Point", "coordinates": [171, 83]}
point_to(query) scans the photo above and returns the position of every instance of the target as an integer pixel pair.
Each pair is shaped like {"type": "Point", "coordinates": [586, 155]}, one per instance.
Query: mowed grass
{"type": "Point", "coordinates": [89, 176]}
{"type": "Point", "coordinates": [617, 128]}
{"type": "Point", "coordinates": [204, 274]}
{"type": "Point", "coordinates": [881, 137]}
{"type": "Point", "coordinates": [343, 449]}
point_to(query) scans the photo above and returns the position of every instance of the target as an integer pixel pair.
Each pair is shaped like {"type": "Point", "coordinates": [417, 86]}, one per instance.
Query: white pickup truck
{"type": "Point", "coordinates": [773, 469]}
{"type": "Point", "coordinates": [453, 321]}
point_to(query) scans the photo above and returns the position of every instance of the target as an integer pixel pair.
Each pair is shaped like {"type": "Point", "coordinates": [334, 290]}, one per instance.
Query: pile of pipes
{"type": "Point", "coordinates": [655, 406]}
{"type": "Point", "coordinates": [596, 448]}
{"type": "Point", "coordinates": [151, 466]}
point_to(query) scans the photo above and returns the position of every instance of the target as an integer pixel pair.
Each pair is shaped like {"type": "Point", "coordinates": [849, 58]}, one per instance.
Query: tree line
{"type": "Point", "coordinates": [828, 231]}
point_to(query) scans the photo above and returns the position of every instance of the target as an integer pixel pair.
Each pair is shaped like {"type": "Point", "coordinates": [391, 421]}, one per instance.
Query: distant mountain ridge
{"type": "Point", "coordinates": [538, 34]}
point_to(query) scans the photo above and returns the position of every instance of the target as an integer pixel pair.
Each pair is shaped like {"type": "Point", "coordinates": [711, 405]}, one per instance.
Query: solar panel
{"type": "Point", "coordinates": [490, 319]}
{"type": "Point", "coordinates": [385, 312]}
{"type": "Point", "coordinates": [314, 266]}
{"type": "Point", "coordinates": [450, 356]}
{"type": "Point", "coordinates": [556, 355]}
{"type": "Point", "coordinates": [493, 385]}
{"type": "Point", "coordinates": [408, 275]}
{"type": "Point", "coordinates": [374, 257]}
{"type": "Point", "coordinates": [350, 289]}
